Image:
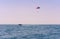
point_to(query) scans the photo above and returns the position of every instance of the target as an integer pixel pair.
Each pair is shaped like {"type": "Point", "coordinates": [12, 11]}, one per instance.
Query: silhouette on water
{"type": "Point", "coordinates": [20, 24]}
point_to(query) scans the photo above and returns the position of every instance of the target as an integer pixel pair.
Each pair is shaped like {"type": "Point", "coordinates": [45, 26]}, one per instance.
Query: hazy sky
{"type": "Point", "coordinates": [25, 12]}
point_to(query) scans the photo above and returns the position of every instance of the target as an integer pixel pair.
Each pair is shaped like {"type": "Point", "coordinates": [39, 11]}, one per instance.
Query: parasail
{"type": "Point", "coordinates": [38, 7]}
{"type": "Point", "coordinates": [37, 3]}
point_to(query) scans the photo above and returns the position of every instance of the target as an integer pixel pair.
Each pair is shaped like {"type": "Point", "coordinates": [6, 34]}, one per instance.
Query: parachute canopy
{"type": "Point", "coordinates": [38, 7]}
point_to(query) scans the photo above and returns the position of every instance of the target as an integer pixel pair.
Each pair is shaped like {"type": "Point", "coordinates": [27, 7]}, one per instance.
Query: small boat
{"type": "Point", "coordinates": [20, 24]}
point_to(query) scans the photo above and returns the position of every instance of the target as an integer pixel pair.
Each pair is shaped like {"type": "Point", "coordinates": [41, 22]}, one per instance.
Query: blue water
{"type": "Point", "coordinates": [30, 32]}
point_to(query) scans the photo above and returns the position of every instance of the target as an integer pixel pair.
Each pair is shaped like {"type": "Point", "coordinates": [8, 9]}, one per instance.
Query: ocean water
{"type": "Point", "coordinates": [29, 31]}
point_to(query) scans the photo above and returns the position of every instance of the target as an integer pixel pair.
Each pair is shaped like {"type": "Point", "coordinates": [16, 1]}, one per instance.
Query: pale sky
{"type": "Point", "coordinates": [25, 12]}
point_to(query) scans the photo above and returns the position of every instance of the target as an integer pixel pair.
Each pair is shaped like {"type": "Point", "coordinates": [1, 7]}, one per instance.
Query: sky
{"type": "Point", "coordinates": [25, 12]}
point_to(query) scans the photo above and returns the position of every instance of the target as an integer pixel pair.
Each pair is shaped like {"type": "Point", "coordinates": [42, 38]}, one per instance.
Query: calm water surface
{"type": "Point", "coordinates": [29, 31]}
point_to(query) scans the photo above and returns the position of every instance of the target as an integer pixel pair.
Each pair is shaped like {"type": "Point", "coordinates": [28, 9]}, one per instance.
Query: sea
{"type": "Point", "coordinates": [29, 31]}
